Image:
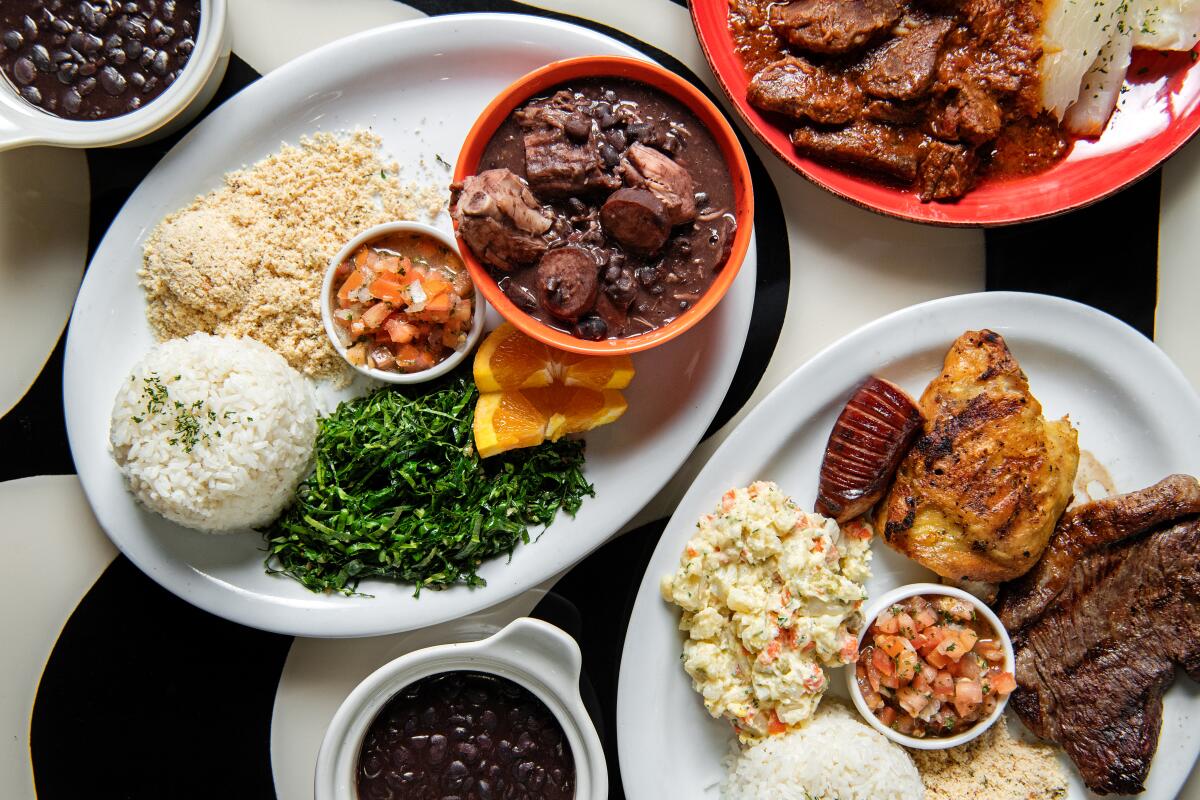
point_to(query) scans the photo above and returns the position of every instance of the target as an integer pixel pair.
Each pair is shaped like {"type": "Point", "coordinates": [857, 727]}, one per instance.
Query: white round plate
{"type": "Point", "coordinates": [419, 85]}
{"type": "Point", "coordinates": [1134, 410]}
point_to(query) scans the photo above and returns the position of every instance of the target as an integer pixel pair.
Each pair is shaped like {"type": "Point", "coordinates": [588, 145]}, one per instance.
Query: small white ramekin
{"type": "Point", "coordinates": [22, 124]}
{"type": "Point", "coordinates": [873, 610]}
{"type": "Point", "coordinates": [442, 367]}
{"type": "Point", "coordinates": [532, 653]}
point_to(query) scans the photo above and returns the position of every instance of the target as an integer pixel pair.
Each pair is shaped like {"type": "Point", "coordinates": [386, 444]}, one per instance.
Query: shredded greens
{"type": "Point", "coordinates": [398, 491]}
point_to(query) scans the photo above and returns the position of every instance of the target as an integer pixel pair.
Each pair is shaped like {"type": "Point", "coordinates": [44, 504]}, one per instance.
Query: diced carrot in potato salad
{"type": "Point", "coordinates": [402, 303]}
{"type": "Point", "coordinates": [932, 667]}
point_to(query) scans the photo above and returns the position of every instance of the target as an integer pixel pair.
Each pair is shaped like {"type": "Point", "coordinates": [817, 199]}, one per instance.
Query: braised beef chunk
{"type": "Point", "coordinates": [499, 218]}
{"type": "Point", "coordinates": [562, 150]}
{"type": "Point", "coordinates": [891, 150]}
{"type": "Point", "coordinates": [903, 68]}
{"type": "Point", "coordinates": [892, 112]}
{"type": "Point", "coordinates": [802, 90]}
{"type": "Point", "coordinates": [833, 26]}
{"type": "Point", "coordinates": [968, 113]}
{"type": "Point", "coordinates": [947, 170]}
{"type": "Point", "coordinates": [1100, 625]}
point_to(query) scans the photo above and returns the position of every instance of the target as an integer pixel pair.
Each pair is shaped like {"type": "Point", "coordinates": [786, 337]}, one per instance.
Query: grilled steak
{"type": "Point", "coordinates": [1100, 625]}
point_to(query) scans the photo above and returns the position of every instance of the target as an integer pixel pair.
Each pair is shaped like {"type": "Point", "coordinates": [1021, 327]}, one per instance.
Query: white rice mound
{"type": "Point", "coordinates": [832, 757]}
{"type": "Point", "coordinates": [257, 424]}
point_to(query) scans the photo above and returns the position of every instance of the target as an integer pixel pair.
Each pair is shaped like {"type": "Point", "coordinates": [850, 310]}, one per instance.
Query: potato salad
{"type": "Point", "coordinates": [770, 596]}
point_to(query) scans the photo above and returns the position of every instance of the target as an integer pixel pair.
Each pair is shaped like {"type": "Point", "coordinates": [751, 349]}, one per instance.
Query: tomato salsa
{"type": "Point", "coordinates": [932, 666]}
{"type": "Point", "coordinates": [403, 303]}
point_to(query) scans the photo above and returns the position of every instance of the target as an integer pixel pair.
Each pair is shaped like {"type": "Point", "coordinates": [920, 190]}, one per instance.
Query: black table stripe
{"type": "Point", "coordinates": [1105, 255]}
{"type": "Point", "coordinates": [146, 697]}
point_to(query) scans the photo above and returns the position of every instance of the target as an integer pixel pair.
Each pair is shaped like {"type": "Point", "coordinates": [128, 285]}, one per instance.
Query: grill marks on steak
{"type": "Point", "coordinates": [1100, 625]}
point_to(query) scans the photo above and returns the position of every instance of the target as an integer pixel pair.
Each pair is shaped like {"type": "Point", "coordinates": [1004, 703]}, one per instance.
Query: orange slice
{"type": "Point", "coordinates": [598, 372]}
{"type": "Point", "coordinates": [570, 409]}
{"type": "Point", "coordinates": [529, 392]}
{"type": "Point", "coordinates": [508, 359]}
{"type": "Point", "coordinates": [507, 420]}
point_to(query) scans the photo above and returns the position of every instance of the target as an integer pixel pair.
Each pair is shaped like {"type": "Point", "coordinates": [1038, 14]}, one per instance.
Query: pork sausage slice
{"type": "Point", "coordinates": [637, 219]}
{"type": "Point", "coordinates": [567, 281]}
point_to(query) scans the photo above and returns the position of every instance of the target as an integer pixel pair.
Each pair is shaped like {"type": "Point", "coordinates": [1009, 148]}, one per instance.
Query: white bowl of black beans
{"type": "Point", "coordinates": [93, 73]}
{"type": "Point", "coordinates": [501, 717]}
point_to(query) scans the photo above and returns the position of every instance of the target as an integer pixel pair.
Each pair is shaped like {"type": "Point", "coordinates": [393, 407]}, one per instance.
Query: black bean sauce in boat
{"type": "Point", "coordinates": [602, 207]}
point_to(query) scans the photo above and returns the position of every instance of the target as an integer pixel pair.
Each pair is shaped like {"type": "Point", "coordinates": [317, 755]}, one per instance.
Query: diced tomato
{"type": "Point", "coordinates": [969, 667]}
{"type": "Point", "coordinates": [943, 686]}
{"type": "Point", "coordinates": [388, 287]}
{"type": "Point", "coordinates": [1003, 683]}
{"type": "Point", "coordinates": [952, 647]}
{"type": "Point", "coordinates": [462, 314]}
{"type": "Point", "coordinates": [775, 725]}
{"type": "Point", "coordinates": [990, 649]}
{"type": "Point", "coordinates": [925, 618]}
{"type": "Point", "coordinates": [353, 283]}
{"type": "Point", "coordinates": [887, 715]}
{"type": "Point", "coordinates": [936, 659]}
{"type": "Point", "coordinates": [399, 331]}
{"type": "Point", "coordinates": [908, 664]}
{"type": "Point", "coordinates": [374, 316]}
{"type": "Point", "coordinates": [882, 662]}
{"type": "Point", "coordinates": [908, 628]}
{"type": "Point", "coordinates": [435, 285]}
{"type": "Point", "coordinates": [365, 257]}
{"type": "Point", "coordinates": [892, 645]}
{"type": "Point", "coordinates": [968, 695]}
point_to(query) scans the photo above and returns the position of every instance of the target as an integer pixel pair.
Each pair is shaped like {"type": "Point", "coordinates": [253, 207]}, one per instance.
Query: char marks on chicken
{"type": "Point", "coordinates": [1101, 624]}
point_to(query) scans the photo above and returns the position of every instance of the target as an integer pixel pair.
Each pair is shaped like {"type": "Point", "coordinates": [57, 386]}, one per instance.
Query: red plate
{"type": "Point", "coordinates": [1158, 114]}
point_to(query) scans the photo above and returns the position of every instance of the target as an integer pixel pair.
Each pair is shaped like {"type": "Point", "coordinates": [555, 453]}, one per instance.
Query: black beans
{"type": "Point", "coordinates": [56, 53]}
{"type": "Point", "coordinates": [428, 764]}
{"type": "Point", "coordinates": [578, 128]}
{"type": "Point", "coordinates": [595, 329]}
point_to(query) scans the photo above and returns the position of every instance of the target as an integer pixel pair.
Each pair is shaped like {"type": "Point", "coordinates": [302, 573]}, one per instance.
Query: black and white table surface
{"type": "Point", "coordinates": [114, 688]}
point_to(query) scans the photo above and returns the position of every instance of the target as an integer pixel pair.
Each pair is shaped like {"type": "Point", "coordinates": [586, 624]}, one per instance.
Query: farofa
{"type": "Point", "coordinates": [247, 259]}
{"type": "Point", "coordinates": [996, 766]}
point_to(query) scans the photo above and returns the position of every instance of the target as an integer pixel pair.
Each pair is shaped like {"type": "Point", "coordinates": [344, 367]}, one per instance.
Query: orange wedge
{"type": "Point", "coordinates": [599, 373]}
{"type": "Point", "coordinates": [529, 392]}
{"type": "Point", "coordinates": [507, 420]}
{"type": "Point", "coordinates": [569, 409]}
{"type": "Point", "coordinates": [508, 359]}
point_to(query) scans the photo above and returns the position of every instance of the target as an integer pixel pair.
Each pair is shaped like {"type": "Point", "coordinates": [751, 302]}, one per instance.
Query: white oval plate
{"type": "Point", "coordinates": [419, 85]}
{"type": "Point", "coordinates": [1134, 410]}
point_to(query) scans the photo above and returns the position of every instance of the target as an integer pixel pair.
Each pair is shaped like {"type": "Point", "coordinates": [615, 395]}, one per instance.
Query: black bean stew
{"type": "Point", "coordinates": [465, 735]}
{"type": "Point", "coordinates": [95, 59]}
{"type": "Point", "coordinates": [603, 208]}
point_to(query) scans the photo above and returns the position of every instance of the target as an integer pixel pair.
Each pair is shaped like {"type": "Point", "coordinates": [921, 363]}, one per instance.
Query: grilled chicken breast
{"type": "Point", "coordinates": [977, 496]}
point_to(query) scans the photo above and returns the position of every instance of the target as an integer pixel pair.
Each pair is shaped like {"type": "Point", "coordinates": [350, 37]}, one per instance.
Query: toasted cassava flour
{"type": "Point", "coordinates": [247, 259]}
{"type": "Point", "coordinates": [996, 766]}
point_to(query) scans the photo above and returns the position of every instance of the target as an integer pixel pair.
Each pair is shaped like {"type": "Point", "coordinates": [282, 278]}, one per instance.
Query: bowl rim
{"type": "Point", "coordinates": [534, 654]}
{"type": "Point", "coordinates": [407, 378]}
{"type": "Point", "coordinates": [667, 82]}
{"type": "Point", "coordinates": [22, 124]}
{"type": "Point", "coordinates": [872, 610]}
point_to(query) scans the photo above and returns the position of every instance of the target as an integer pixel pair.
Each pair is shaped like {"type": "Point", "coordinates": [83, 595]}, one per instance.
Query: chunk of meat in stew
{"type": "Point", "coordinates": [562, 154]}
{"type": "Point", "coordinates": [891, 150]}
{"type": "Point", "coordinates": [904, 68]}
{"type": "Point", "coordinates": [671, 183]}
{"type": "Point", "coordinates": [947, 170]}
{"type": "Point", "coordinates": [802, 90]}
{"type": "Point", "coordinates": [500, 219]}
{"type": "Point", "coordinates": [833, 26]}
{"type": "Point", "coordinates": [567, 282]}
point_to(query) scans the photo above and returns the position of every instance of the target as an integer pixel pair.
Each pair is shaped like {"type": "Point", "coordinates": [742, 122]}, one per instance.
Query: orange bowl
{"type": "Point", "coordinates": [667, 82]}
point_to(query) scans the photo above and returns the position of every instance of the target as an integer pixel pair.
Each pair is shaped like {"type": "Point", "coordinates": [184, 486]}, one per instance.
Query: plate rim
{"type": "Point", "coordinates": [991, 303]}
{"type": "Point", "coordinates": [262, 611]}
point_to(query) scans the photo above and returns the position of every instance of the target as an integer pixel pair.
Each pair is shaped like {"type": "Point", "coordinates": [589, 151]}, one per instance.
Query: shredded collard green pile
{"type": "Point", "coordinates": [398, 491]}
